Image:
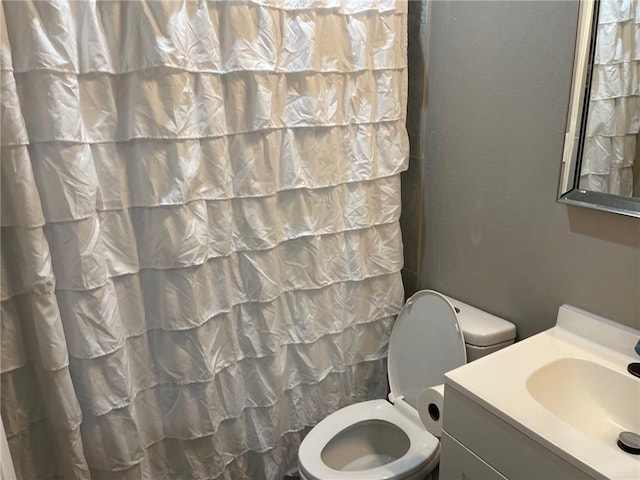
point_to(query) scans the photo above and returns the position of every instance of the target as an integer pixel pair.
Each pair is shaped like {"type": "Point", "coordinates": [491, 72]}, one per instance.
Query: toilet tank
{"type": "Point", "coordinates": [483, 333]}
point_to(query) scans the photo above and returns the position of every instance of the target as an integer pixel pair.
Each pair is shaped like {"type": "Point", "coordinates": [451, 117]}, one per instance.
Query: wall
{"type": "Point", "coordinates": [412, 217]}
{"type": "Point", "coordinates": [492, 234]}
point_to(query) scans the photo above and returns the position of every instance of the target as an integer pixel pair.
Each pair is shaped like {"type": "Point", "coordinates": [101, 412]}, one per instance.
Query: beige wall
{"type": "Point", "coordinates": [490, 230]}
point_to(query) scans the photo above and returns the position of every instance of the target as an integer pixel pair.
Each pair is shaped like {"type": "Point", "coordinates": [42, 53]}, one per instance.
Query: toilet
{"type": "Point", "coordinates": [381, 439]}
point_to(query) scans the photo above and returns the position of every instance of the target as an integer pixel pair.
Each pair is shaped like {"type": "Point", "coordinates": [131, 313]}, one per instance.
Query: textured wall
{"type": "Point", "coordinates": [412, 218]}
{"type": "Point", "coordinates": [493, 235]}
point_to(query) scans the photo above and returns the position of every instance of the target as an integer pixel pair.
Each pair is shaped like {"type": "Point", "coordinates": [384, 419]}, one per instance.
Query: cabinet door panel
{"type": "Point", "coordinates": [459, 463]}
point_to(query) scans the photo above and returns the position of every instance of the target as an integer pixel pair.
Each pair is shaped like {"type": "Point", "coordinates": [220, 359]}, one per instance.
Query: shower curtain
{"type": "Point", "coordinates": [614, 107]}
{"type": "Point", "coordinates": [200, 238]}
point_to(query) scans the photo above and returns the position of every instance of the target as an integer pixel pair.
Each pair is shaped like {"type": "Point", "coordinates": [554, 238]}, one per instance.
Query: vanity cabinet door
{"type": "Point", "coordinates": [459, 463]}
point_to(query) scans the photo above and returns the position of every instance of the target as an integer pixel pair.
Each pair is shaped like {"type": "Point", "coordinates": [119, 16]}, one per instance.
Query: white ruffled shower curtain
{"type": "Point", "coordinates": [200, 243]}
{"type": "Point", "coordinates": [614, 104]}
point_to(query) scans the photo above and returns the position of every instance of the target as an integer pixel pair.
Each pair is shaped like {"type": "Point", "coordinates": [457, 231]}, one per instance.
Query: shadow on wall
{"type": "Point", "coordinates": [412, 217]}
{"type": "Point", "coordinates": [604, 226]}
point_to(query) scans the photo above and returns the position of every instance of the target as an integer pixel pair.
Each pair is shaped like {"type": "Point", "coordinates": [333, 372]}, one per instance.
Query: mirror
{"type": "Point", "coordinates": [601, 158]}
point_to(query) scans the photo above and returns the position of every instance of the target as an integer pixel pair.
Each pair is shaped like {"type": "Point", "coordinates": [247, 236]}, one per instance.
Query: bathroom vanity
{"type": "Point", "coordinates": [551, 406]}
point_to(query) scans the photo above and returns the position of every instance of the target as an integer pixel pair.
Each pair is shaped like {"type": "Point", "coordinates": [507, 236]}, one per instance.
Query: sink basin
{"type": "Point", "coordinates": [595, 399]}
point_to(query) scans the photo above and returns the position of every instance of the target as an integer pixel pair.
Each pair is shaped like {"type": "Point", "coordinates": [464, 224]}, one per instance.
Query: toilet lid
{"type": "Point", "coordinates": [426, 342]}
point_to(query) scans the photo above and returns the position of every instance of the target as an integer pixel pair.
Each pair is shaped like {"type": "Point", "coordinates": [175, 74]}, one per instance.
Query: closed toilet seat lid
{"type": "Point", "coordinates": [424, 447]}
{"type": "Point", "coordinates": [426, 342]}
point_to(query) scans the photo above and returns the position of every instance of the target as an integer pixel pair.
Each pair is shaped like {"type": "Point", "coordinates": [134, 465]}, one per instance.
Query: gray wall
{"type": "Point", "coordinates": [491, 232]}
{"type": "Point", "coordinates": [412, 217]}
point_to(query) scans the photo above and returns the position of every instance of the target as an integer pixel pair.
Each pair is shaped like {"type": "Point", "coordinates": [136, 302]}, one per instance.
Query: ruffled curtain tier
{"type": "Point", "coordinates": [614, 110]}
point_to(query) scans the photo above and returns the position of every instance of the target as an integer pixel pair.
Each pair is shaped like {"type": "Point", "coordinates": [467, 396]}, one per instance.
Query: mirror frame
{"type": "Point", "coordinates": [569, 191]}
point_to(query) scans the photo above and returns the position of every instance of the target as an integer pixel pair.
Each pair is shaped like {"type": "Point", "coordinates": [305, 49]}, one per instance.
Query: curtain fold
{"type": "Point", "coordinates": [201, 251]}
{"type": "Point", "coordinates": [614, 109]}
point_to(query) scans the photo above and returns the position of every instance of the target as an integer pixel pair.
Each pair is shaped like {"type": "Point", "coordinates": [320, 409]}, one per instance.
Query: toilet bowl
{"type": "Point", "coordinates": [365, 441]}
{"type": "Point", "coordinates": [382, 439]}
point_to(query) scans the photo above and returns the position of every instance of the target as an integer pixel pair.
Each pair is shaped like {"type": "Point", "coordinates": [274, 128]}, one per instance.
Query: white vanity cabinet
{"type": "Point", "coordinates": [477, 445]}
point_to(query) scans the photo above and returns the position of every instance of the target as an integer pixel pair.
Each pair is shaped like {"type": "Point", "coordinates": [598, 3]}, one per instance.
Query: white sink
{"type": "Point", "coordinates": [597, 400]}
{"type": "Point", "coordinates": [567, 389]}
